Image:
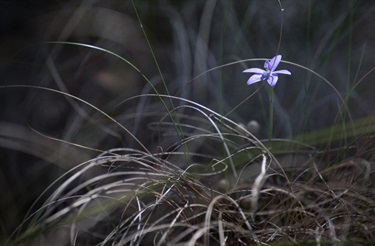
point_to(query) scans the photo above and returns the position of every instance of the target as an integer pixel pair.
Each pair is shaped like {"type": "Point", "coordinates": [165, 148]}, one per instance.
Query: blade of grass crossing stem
{"type": "Point", "coordinates": [175, 120]}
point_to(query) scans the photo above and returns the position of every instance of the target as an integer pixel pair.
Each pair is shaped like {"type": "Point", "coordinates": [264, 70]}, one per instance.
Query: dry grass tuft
{"type": "Point", "coordinates": [145, 199]}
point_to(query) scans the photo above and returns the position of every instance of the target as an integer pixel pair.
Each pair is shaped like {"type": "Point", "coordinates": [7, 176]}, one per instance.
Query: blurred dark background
{"type": "Point", "coordinates": [333, 38]}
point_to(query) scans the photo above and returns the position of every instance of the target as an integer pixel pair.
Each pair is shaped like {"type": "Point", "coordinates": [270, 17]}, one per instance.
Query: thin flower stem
{"type": "Point", "coordinates": [270, 126]}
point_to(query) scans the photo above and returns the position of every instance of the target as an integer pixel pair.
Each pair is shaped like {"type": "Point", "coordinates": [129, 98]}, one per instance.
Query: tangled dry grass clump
{"type": "Point", "coordinates": [241, 195]}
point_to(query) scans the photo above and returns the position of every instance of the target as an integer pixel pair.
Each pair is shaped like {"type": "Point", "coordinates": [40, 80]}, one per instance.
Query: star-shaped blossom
{"type": "Point", "coordinates": [268, 74]}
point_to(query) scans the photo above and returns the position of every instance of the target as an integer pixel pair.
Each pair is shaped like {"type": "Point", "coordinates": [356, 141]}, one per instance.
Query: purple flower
{"type": "Point", "coordinates": [269, 74]}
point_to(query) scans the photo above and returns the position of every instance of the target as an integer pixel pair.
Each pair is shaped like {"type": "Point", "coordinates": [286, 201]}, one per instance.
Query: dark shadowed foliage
{"type": "Point", "coordinates": [130, 123]}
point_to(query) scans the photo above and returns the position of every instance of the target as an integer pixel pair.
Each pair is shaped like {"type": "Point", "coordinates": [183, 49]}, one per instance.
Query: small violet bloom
{"type": "Point", "coordinates": [269, 74]}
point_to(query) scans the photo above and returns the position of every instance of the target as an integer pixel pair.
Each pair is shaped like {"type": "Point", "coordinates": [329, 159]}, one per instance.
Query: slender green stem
{"type": "Point", "coordinates": [270, 126]}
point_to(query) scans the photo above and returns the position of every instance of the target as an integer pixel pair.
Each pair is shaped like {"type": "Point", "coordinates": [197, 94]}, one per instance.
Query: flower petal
{"type": "Point", "coordinates": [272, 65]}
{"type": "Point", "coordinates": [282, 72]}
{"type": "Point", "coordinates": [272, 80]}
{"type": "Point", "coordinates": [253, 70]}
{"type": "Point", "coordinates": [253, 79]}
{"type": "Point", "coordinates": [267, 65]}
